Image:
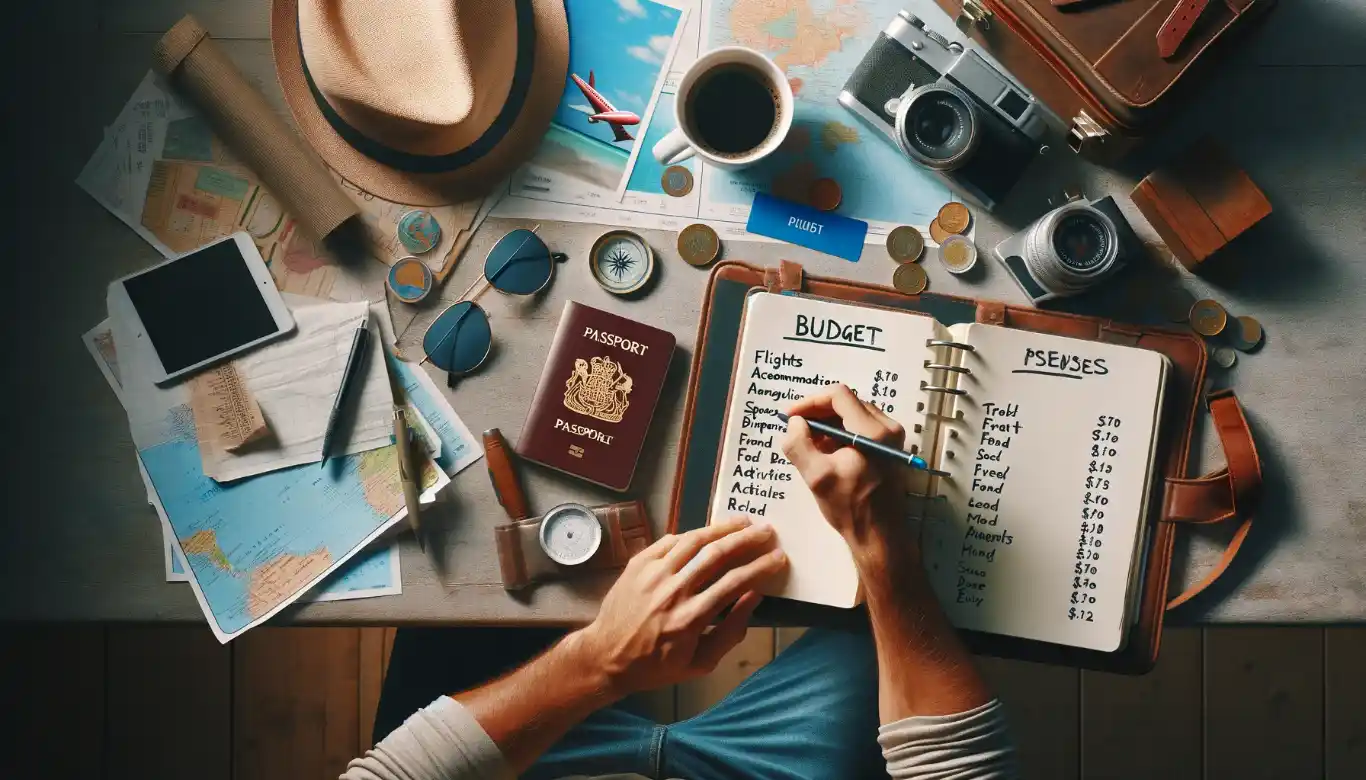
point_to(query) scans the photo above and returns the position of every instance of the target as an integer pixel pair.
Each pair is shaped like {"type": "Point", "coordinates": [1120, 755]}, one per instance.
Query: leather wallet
{"type": "Point", "coordinates": [1230, 493]}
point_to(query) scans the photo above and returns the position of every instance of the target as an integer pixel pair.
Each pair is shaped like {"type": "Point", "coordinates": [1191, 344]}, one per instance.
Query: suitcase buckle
{"type": "Point", "coordinates": [1085, 132]}
{"type": "Point", "coordinates": [973, 14]}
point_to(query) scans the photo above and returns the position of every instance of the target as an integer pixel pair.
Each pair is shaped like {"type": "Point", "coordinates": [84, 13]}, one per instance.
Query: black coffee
{"type": "Point", "coordinates": [733, 110]}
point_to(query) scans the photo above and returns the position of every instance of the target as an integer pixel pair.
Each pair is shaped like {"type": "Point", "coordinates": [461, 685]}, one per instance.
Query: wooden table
{"type": "Point", "coordinates": [82, 544]}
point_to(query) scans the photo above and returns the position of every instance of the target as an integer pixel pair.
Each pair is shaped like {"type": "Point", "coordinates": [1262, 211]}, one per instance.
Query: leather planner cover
{"type": "Point", "coordinates": [1231, 492]}
{"type": "Point", "coordinates": [596, 396]}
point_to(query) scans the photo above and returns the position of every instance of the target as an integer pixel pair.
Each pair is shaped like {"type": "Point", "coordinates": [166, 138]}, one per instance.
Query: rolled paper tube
{"type": "Point", "coordinates": [199, 70]}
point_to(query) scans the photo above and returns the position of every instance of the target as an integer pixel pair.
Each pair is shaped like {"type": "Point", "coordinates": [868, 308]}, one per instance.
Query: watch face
{"type": "Point", "coordinates": [570, 534]}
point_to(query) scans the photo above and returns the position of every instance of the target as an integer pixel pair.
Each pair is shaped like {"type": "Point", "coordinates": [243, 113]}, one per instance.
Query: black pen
{"type": "Point", "coordinates": [868, 446]}
{"type": "Point", "coordinates": [353, 361]}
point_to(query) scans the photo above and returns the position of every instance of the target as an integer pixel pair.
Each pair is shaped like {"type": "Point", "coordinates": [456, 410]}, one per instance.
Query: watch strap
{"type": "Point", "coordinates": [502, 466]}
{"type": "Point", "coordinates": [625, 532]}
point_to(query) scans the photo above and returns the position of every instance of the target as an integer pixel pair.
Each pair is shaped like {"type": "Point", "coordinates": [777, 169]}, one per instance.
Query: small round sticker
{"type": "Point", "coordinates": [418, 231]}
{"type": "Point", "coordinates": [409, 279]}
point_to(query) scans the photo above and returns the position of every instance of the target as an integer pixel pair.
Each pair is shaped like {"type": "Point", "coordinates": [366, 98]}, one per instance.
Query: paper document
{"type": "Point", "coordinates": [371, 573]}
{"type": "Point", "coordinates": [226, 415]}
{"type": "Point", "coordinates": [295, 381]}
{"type": "Point", "coordinates": [256, 545]}
{"type": "Point", "coordinates": [162, 171]}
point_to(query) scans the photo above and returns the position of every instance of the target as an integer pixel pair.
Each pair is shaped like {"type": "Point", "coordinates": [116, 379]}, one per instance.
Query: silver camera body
{"type": "Point", "coordinates": [947, 109]}
{"type": "Point", "coordinates": [1068, 250]}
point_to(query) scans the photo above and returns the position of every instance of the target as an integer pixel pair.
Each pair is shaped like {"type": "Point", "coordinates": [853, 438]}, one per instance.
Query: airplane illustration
{"type": "Point", "coordinates": [604, 111]}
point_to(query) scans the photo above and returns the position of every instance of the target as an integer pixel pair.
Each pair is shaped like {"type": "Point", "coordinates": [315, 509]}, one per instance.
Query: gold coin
{"type": "Point", "coordinates": [1208, 317]}
{"type": "Point", "coordinates": [905, 244]}
{"type": "Point", "coordinates": [910, 279]}
{"type": "Point", "coordinates": [937, 231]}
{"type": "Point", "coordinates": [676, 181]}
{"type": "Point", "coordinates": [954, 217]}
{"type": "Point", "coordinates": [698, 244]}
{"type": "Point", "coordinates": [825, 194]}
{"type": "Point", "coordinates": [1249, 334]}
{"type": "Point", "coordinates": [1225, 357]}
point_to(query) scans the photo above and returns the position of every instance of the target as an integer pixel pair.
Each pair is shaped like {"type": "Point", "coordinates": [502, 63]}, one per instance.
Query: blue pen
{"type": "Point", "coordinates": [868, 446]}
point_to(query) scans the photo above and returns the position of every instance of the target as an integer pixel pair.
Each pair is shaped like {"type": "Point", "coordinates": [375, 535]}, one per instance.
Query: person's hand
{"type": "Point", "coordinates": [654, 628]}
{"type": "Point", "coordinates": [864, 499]}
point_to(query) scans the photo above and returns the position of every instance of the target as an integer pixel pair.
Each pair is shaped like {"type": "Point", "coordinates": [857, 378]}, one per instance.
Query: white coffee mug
{"type": "Point", "coordinates": [682, 142]}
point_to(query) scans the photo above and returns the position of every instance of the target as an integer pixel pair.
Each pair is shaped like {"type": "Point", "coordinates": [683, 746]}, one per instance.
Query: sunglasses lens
{"type": "Point", "coordinates": [519, 263]}
{"type": "Point", "coordinates": [459, 340]}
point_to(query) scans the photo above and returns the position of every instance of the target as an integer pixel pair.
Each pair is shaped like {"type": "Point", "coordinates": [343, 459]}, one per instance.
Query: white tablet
{"type": "Point", "coordinates": [202, 307]}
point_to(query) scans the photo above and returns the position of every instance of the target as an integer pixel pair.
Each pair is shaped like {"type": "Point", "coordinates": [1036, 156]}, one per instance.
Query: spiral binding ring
{"type": "Point", "coordinates": [956, 416]}
{"type": "Point", "coordinates": [950, 345]}
{"type": "Point", "coordinates": [943, 367]}
{"type": "Point", "coordinates": [929, 388]}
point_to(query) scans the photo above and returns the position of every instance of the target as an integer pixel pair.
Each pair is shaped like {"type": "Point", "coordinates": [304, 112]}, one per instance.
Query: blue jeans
{"type": "Point", "coordinates": [810, 713]}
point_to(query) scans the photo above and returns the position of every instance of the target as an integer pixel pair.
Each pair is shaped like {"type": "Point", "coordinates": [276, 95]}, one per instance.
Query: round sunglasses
{"type": "Point", "coordinates": [459, 340]}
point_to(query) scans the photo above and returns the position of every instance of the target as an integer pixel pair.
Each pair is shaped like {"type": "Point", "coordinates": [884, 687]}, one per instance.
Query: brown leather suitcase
{"type": "Point", "coordinates": [1230, 493]}
{"type": "Point", "coordinates": [1111, 69]}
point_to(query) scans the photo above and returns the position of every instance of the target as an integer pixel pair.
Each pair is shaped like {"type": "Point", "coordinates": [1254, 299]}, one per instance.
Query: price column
{"type": "Point", "coordinates": [1104, 449]}
{"type": "Point", "coordinates": [884, 390]}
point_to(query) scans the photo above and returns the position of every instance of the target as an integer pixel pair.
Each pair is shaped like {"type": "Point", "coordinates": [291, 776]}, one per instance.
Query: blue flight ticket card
{"type": "Point", "coordinates": [805, 226]}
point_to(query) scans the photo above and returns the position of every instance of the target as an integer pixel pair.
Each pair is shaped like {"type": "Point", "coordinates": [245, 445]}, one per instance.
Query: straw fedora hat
{"type": "Point", "coordinates": [422, 102]}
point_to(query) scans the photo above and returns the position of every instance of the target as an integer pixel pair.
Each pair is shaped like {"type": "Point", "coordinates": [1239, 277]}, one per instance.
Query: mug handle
{"type": "Point", "coordinates": [673, 148]}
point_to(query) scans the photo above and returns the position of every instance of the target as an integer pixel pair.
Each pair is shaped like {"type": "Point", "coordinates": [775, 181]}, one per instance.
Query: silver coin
{"type": "Point", "coordinates": [1226, 357]}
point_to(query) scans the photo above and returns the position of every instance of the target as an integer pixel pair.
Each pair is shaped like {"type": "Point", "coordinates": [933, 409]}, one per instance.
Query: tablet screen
{"type": "Point", "coordinates": [200, 306]}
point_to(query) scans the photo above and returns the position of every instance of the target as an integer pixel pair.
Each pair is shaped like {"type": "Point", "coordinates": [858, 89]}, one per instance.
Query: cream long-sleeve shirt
{"type": "Point", "coordinates": [444, 742]}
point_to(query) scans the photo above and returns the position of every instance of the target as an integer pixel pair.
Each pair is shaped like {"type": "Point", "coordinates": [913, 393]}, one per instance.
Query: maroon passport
{"type": "Point", "coordinates": [597, 396]}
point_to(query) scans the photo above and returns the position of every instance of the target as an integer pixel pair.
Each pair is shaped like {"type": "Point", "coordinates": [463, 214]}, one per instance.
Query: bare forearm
{"type": "Point", "coordinates": [923, 667]}
{"type": "Point", "coordinates": [529, 710]}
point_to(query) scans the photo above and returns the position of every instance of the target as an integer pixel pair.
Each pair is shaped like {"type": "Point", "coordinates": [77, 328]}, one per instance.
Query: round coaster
{"type": "Point", "coordinates": [418, 231]}
{"type": "Point", "coordinates": [409, 279]}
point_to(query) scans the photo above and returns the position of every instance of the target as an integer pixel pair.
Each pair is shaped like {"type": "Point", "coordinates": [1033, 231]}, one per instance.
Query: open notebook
{"type": "Point", "coordinates": [1039, 530]}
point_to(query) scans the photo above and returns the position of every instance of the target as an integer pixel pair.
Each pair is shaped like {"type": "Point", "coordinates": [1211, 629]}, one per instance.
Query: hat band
{"type": "Point", "coordinates": [443, 163]}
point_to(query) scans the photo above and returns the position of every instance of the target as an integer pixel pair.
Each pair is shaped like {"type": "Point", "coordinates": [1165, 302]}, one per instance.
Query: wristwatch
{"type": "Point", "coordinates": [567, 541]}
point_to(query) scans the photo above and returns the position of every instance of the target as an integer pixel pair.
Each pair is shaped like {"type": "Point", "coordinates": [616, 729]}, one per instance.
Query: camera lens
{"type": "Point", "coordinates": [1071, 248]}
{"type": "Point", "coordinates": [1081, 241]}
{"type": "Point", "coordinates": [936, 126]}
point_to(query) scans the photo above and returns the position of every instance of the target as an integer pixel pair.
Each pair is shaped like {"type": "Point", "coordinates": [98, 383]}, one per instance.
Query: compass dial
{"type": "Point", "coordinates": [622, 262]}
{"type": "Point", "coordinates": [570, 534]}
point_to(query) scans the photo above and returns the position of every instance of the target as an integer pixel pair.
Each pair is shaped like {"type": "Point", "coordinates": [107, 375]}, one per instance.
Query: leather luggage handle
{"type": "Point", "coordinates": [1226, 493]}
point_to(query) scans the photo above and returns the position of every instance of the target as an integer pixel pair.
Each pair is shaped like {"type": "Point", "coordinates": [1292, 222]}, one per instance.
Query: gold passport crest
{"type": "Point", "coordinates": [598, 388]}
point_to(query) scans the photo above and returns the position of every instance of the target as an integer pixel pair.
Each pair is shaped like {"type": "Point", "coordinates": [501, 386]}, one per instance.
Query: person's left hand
{"type": "Point", "coordinates": [655, 626]}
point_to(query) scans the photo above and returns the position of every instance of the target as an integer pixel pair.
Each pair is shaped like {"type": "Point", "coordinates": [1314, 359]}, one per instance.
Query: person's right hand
{"type": "Point", "coordinates": [655, 625]}
{"type": "Point", "coordinates": [862, 498]}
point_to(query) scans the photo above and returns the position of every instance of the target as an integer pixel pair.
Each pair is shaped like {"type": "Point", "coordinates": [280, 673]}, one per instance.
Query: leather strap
{"type": "Point", "coordinates": [787, 277]}
{"type": "Point", "coordinates": [507, 486]}
{"type": "Point", "coordinates": [1232, 491]}
{"type": "Point", "coordinates": [522, 562]}
{"type": "Point", "coordinates": [1178, 25]}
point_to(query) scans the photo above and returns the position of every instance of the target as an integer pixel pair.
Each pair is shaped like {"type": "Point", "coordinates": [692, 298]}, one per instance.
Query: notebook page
{"type": "Point", "coordinates": [792, 346]}
{"type": "Point", "coordinates": [1051, 462]}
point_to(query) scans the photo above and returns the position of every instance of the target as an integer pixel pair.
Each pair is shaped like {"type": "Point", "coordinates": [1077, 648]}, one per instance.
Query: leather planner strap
{"type": "Point", "coordinates": [626, 531]}
{"type": "Point", "coordinates": [1230, 492]}
{"type": "Point", "coordinates": [787, 277]}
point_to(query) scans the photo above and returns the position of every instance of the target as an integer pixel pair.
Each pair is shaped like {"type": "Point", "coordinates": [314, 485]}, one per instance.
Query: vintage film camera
{"type": "Point", "coordinates": [947, 109]}
{"type": "Point", "coordinates": [1069, 250]}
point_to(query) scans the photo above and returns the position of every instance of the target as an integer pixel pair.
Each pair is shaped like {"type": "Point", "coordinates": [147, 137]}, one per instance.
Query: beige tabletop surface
{"type": "Point", "coordinates": [82, 543]}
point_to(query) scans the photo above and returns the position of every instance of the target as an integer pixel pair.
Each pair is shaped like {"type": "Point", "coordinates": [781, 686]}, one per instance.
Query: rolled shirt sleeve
{"type": "Point", "coordinates": [972, 745]}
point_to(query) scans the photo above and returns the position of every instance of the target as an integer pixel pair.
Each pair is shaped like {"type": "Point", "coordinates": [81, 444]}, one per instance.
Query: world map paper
{"type": "Point", "coordinates": [255, 546]}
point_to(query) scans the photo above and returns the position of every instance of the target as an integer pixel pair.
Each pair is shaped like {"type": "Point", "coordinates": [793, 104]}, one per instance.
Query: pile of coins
{"type": "Point", "coordinates": [956, 251]}
{"type": "Point", "coordinates": [1211, 320]}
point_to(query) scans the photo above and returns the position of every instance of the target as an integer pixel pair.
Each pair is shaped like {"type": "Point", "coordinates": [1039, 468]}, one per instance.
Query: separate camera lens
{"type": "Point", "coordinates": [937, 127]}
{"type": "Point", "coordinates": [1081, 241]}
